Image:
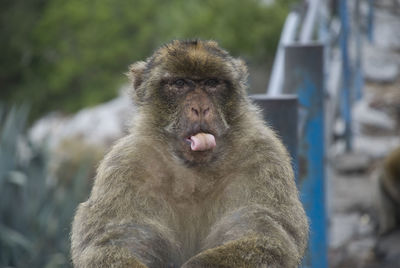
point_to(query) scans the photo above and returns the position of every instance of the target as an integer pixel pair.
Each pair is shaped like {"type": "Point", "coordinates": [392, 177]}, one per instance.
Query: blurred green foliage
{"type": "Point", "coordinates": [63, 55]}
{"type": "Point", "coordinates": [36, 209]}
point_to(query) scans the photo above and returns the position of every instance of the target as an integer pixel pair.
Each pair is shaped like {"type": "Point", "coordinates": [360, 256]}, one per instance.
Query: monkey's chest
{"type": "Point", "coordinates": [191, 228]}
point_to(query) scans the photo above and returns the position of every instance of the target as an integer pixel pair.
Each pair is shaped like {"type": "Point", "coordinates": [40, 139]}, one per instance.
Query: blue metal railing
{"type": "Point", "coordinates": [294, 61]}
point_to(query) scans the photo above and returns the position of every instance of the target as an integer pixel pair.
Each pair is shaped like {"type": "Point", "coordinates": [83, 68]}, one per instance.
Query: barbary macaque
{"type": "Point", "coordinates": [389, 193]}
{"type": "Point", "coordinates": [200, 180]}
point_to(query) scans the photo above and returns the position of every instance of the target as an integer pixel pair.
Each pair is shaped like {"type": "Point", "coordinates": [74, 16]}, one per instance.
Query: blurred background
{"type": "Point", "coordinates": [63, 102]}
{"type": "Point", "coordinates": [67, 55]}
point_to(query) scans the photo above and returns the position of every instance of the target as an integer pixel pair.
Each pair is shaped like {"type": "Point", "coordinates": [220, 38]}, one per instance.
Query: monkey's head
{"type": "Point", "coordinates": [191, 93]}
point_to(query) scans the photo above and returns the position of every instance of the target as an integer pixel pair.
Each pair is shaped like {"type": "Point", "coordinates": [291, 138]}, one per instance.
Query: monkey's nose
{"type": "Point", "coordinates": [199, 111]}
{"type": "Point", "coordinates": [195, 112]}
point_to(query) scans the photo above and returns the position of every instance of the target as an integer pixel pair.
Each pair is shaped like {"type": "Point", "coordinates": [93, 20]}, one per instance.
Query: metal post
{"type": "Point", "coordinates": [287, 36]}
{"type": "Point", "coordinates": [358, 75]}
{"type": "Point", "coordinates": [371, 21]}
{"type": "Point", "coordinates": [308, 26]}
{"type": "Point", "coordinates": [346, 93]}
{"type": "Point", "coordinates": [281, 114]}
{"type": "Point", "coordinates": [304, 76]}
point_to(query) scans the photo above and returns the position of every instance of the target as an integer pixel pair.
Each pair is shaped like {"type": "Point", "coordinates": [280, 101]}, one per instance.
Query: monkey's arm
{"type": "Point", "coordinates": [96, 245]}
{"type": "Point", "coordinates": [107, 256]}
{"type": "Point", "coordinates": [120, 242]}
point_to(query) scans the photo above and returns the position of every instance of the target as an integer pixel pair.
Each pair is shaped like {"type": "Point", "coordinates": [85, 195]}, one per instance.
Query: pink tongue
{"type": "Point", "coordinates": [202, 142]}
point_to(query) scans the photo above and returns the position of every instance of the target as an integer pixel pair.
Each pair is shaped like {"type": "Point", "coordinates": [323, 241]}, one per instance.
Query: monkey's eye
{"type": "Point", "coordinates": [179, 83]}
{"type": "Point", "coordinates": [212, 82]}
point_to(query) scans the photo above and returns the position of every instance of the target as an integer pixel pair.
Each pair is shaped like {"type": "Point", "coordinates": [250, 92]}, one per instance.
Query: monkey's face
{"type": "Point", "coordinates": [192, 91]}
{"type": "Point", "coordinates": [196, 124]}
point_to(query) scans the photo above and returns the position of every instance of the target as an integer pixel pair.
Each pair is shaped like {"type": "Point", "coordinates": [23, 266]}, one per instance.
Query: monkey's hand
{"type": "Point", "coordinates": [251, 251]}
{"type": "Point", "coordinates": [252, 236]}
{"type": "Point", "coordinates": [108, 256]}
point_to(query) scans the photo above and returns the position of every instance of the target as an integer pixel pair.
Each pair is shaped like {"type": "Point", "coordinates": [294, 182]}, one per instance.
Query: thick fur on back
{"type": "Point", "coordinates": [149, 207]}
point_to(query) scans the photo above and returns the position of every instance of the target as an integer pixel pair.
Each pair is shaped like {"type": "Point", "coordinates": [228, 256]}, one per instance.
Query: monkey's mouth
{"type": "Point", "coordinates": [201, 141]}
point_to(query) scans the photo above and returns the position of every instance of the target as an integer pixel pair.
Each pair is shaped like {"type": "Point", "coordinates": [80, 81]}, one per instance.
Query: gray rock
{"type": "Point", "coordinates": [375, 147]}
{"type": "Point", "coordinates": [386, 31]}
{"type": "Point", "coordinates": [362, 248]}
{"type": "Point", "coordinates": [388, 247]}
{"type": "Point", "coordinates": [351, 162]}
{"type": "Point", "coordinates": [380, 65]}
{"type": "Point", "coordinates": [347, 228]}
{"type": "Point", "coordinates": [350, 193]}
{"type": "Point", "coordinates": [371, 121]}
{"type": "Point", "coordinates": [99, 125]}
{"type": "Point", "coordinates": [342, 228]}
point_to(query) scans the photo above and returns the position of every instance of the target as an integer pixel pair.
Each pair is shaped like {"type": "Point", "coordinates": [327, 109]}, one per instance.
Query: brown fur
{"type": "Point", "coordinates": [155, 203]}
{"type": "Point", "coordinates": [389, 193]}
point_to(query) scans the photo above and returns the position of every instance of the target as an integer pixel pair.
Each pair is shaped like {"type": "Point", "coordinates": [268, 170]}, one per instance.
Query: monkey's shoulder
{"type": "Point", "coordinates": [263, 145]}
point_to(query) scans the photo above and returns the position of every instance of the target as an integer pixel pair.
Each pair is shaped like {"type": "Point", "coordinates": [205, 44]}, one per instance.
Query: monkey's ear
{"type": "Point", "coordinates": [135, 73]}
{"type": "Point", "coordinates": [241, 68]}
